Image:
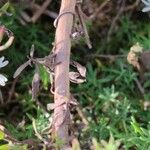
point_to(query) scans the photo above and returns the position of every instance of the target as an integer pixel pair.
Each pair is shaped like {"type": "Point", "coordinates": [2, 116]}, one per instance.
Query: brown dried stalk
{"type": "Point", "coordinates": [62, 48]}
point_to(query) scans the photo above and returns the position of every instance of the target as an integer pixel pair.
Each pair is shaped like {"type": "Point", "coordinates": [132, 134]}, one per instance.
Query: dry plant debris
{"type": "Point", "coordinates": [3, 31]}
{"type": "Point", "coordinates": [133, 55]}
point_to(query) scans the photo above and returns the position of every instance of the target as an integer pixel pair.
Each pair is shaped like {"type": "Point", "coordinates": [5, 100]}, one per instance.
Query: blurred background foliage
{"type": "Point", "coordinates": [117, 113]}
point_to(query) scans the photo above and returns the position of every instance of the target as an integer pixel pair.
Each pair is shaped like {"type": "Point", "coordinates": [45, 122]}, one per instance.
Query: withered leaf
{"type": "Point", "coordinates": [52, 106]}
{"type": "Point", "coordinates": [21, 68]}
{"type": "Point", "coordinates": [48, 62]}
{"type": "Point", "coordinates": [35, 84]}
{"type": "Point", "coordinates": [80, 68]}
{"type": "Point", "coordinates": [73, 100]}
{"type": "Point", "coordinates": [74, 77]}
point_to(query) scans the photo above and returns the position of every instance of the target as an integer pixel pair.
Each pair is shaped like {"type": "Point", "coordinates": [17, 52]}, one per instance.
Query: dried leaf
{"type": "Point", "coordinates": [21, 68]}
{"type": "Point", "coordinates": [52, 106]}
{"type": "Point", "coordinates": [73, 100]}
{"type": "Point", "coordinates": [78, 81]}
{"type": "Point", "coordinates": [35, 84]}
{"type": "Point", "coordinates": [80, 68]}
{"type": "Point", "coordinates": [74, 77]}
{"type": "Point", "coordinates": [137, 48]}
{"type": "Point", "coordinates": [48, 62]}
{"type": "Point", "coordinates": [133, 55]}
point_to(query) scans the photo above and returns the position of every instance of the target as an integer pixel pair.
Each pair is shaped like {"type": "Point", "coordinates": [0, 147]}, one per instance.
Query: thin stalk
{"type": "Point", "coordinates": [61, 120]}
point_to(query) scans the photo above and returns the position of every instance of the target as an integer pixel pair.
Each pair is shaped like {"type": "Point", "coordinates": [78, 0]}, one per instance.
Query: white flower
{"type": "Point", "coordinates": [3, 80]}
{"type": "Point", "coordinates": [147, 5]}
{"type": "Point", "coordinates": [3, 63]}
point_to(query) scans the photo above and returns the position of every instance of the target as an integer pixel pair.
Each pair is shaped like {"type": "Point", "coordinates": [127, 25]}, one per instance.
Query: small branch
{"type": "Point", "coordinates": [141, 89]}
{"type": "Point", "coordinates": [1, 98]}
{"type": "Point", "coordinates": [82, 115]}
{"type": "Point", "coordinates": [25, 16]}
{"type": "Point", "coordinates": [115, 20]}
{"type": "Point", "coordinates": [86, 35]}
{"type": "Point", "coordinates": [105, 56]}
{"type": "Point", "coordinates": [131, 7]}
{"type": "Point", "coordinates": [11, 92]}
{"type": "Point", "coordinates": [21, 21]}
{"type": "Point", "coordinates": [40, 11]}
{"type": "Point", "coordinates": [36, 132]}
{"type": "Point", "coordinates": [97, 11]}
{"type": "Point", "coordinates": [46, 12]}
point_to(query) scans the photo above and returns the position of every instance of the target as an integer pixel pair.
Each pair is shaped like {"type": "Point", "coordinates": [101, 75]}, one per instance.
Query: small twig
{"type": "Point", "coordinates": [131, 7]}
{"type": "Point", "coordinates": [36, 132]}
{"type": "Point", "coordinates": [82, 115]}
{"type": "Point", "coordinates": [105, 56]}
{"type": "Point", "coordinates": [25, 16]}
{"type": "Point", "coordinates": [1, 98]}
{"type": "Point", "coordinates": [7, 103]}
{"type": "Point", "coordinates": [10, 138]}
{"type": "Point", "coordinates": [97, 11]}
{"type": "Point", "coordinates": [40, 11]}
{"type": "Point", "coordinates": [62, 14]}
{"type": "Point", "coordinates": [47, 12]}
{"type": "Point", "coordinates": [79, 13]}
{"type": "Point", "coordinates": [21, 21]}
{"type": "Point", "coordinates": [141, 89]}
{"type": "Point", "coordinates": [11, 92]}
{"type": "Point", "coordinates": [115, 20]}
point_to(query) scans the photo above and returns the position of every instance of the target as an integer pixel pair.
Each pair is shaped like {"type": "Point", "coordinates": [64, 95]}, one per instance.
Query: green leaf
{"type": "Point", "coordinates": [136, 126]}
{"type": "Point", "coordinates": [2, 135]}
{"type": "Point", "coordinates": [44, 75]}
{"type": "Point", "coordinates": [96, 144]}
{"type": "Point", "coordinates": [5, 7]}
{"type": "Point", "coordinates": [4, 147]}
{"type": "Point", "coordinates": [18, 147]}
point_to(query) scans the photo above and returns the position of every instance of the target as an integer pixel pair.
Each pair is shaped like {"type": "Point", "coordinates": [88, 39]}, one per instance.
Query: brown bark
{"type": "Point", "coordinates": [62, 89]}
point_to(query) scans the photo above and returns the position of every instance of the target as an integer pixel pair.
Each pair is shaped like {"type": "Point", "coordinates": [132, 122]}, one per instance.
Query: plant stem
{"type": "Point", "coordinates": [62, 85]}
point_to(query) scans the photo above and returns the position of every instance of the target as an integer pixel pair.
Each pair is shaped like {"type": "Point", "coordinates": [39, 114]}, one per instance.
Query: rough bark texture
{"type": "Point", "coordinates": [62, 89]}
